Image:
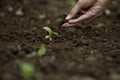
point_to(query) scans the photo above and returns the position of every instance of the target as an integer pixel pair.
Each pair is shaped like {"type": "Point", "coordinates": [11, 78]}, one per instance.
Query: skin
{"type": "Point", "coordinates": [91, 8]}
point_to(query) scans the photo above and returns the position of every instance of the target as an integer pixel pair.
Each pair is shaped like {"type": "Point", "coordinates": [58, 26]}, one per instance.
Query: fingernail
{"type": "Point", "coordinates": [69, 21]}
{"type": "Point", "coordinates": [68, 17]}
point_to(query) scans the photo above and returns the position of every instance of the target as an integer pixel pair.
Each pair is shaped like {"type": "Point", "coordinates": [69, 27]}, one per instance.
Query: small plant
{"type": "Point", "coordinates": [72, 2]}
{"type": "Point", "coordinates": [50, 33]}
{"type": "Point", "coordinates": [27, 70]}
{"type": "Point", "coordinates": [41, 52]}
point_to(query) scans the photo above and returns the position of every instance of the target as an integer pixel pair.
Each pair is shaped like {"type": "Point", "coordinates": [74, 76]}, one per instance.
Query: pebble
{"type": "Point", "coordinates": [107, 12]}
{"type": "Point", "coordinates": [19, 12]}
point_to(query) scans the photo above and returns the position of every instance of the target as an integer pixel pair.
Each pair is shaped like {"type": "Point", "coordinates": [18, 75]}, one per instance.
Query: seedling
{"type": "Point", "coordinates": [72, 2]}
{"type": "Point", "coordinates": [50, 33]}
{"type": "Point", "coordinates": [41, 52]}
{"type": "Point", "coordinates": [27, 70]}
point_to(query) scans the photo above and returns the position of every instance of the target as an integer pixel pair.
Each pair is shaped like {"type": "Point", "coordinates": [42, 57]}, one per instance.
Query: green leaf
{"type": "Point", "coordinates": [42, 50]}
{"type": "Point", "coordinates": [72, 2]}
{"type": "Point", "coordinates": [49, 30]}
{"type": "Point", "coordinates": [50, 33]}
{"type": "Point", "coordinates": [27, 70]}
{"type": "Point", "coordinates": [55, 33]}
{"type": "Point", "coordinates": [47, 36]}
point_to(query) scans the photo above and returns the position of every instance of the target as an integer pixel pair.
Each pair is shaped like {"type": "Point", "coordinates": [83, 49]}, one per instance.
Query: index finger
{"type": "Point", "coordinates": [74, 11]}
{"type": "Point", "coordinates": [93, 11]}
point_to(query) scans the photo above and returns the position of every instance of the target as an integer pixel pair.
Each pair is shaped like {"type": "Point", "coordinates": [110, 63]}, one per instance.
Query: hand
{"type": "Point", "coordinates": [93, 7]}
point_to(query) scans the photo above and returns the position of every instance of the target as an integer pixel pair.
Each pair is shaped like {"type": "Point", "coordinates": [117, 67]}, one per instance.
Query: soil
{"type": "Point", "coordinates": [83, 52]}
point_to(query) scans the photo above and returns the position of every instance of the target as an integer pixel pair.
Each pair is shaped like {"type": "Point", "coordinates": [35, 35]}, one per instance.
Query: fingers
{"type": "Point", "coordinates": [68, 25]}
{"type": "Point", "coordinates": [74, 11]}
{"type": "Point", "coordinates": [93, 11]}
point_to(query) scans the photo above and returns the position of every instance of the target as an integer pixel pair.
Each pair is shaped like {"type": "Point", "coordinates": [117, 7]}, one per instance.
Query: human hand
{"type": "Point", "coordinates": [93, 8]}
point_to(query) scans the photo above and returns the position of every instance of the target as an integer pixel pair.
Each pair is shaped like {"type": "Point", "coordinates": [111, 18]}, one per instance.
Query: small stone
{"type": "Point", "coordinates": [10, 8]}
{"type": "Point", "coordinates": [107, 12]}
{"type": "Point", "coordinates": [42, 16]}
{"type": "Point", "coordinates": [91, 59]}
{"type": "Point", "coordinates": [19, 12]}
{"type": "Point", "coordinates": [91, 52]}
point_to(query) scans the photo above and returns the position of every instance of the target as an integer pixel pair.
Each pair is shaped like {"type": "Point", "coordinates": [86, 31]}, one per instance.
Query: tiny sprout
{"type": "Point", "coordinates": [72, 2]}
{"type": "Point", "coordinates": [42, 50]}
{"type": "Point", "coordinates": [27, 70]}
{"type": "Point", "coordinates": [50, 33]}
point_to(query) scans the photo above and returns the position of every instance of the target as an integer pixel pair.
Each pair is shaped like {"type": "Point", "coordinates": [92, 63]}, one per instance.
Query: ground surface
{"type": "Point", "coordinates": [77, 53]}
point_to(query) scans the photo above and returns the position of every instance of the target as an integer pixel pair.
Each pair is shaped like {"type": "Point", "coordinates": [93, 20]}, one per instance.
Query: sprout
{"type": "Point", "coordinates": [27, 70]}
{"type": "Point", "coordinates": [50, 33]}
{"type": "Point", "coordinates": [72, 2]}
{"type": "Point", "coordinates": [42, 50]}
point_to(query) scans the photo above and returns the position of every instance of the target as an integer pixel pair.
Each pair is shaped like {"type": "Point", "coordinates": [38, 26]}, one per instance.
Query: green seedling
{"type": "Point", "coordinates": [50, 33]}
{"type": "Point", "coordinates": [27, 70]}
{"type": "Point", "coordinates": [72, 2]}
{"type": "Point", "coordinates": [41, 52]}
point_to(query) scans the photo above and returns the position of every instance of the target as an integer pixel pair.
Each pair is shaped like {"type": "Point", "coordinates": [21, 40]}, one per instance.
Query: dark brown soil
{"type": "Point", "coordinates": [84, 51]}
